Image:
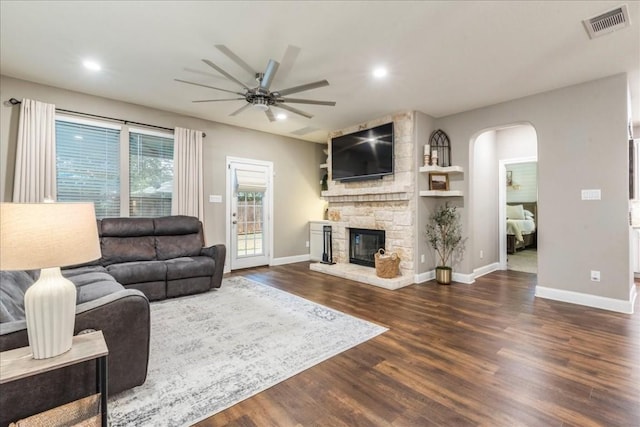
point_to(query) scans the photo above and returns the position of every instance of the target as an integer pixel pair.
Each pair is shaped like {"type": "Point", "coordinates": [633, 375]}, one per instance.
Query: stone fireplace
{"type": "Point", "coordinates": [387, 205]}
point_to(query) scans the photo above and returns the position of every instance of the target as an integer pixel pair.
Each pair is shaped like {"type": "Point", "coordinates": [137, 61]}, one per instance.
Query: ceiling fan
{"type": "Point", "coordinates": [261, 96]}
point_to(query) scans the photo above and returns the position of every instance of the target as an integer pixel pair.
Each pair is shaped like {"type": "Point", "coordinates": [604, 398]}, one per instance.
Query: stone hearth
{"type": "Point", "coordinates": [362, 274]}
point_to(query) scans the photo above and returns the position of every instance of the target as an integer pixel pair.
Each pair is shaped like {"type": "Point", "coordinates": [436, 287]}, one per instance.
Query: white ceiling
{"type": "Point", "coordinates": [443, 57]}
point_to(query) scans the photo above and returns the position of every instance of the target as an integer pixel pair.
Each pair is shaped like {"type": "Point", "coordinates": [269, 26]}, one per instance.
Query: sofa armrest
{"type": "Point", "coordinates": [218, 253]}
{"type": "Point", "coordinates": [123, 317]}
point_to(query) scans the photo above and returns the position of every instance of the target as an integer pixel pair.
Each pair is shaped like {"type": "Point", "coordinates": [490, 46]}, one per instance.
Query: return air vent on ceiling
{"type": "Point", "coordinates": [607, 22]}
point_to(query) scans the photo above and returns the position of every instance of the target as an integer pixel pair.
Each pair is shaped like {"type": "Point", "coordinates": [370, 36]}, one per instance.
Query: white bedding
{"type": "Point", "coordinates": [518, 227]}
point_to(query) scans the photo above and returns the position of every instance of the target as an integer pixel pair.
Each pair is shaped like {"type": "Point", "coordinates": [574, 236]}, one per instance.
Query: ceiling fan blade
{"type": "Point", "coordinates": [224, 73]}
{"type": "Point", "coordinates": [235, 58]}
{"type": "Point", "coordinates": [306, 101]}
{"type": "Point", "coordinates": [210, 87]}
{"type": "Point", "coordinates": [241, 109]}
{"type": "Point", "coordinates": [216, 100]}
{"type": "Point", "coordinates": [288, 59]}
{"type": "Point", "coordinates": [294, 110]}
{"type": "Point", "coordinates": [270, 115]}
{"type": "Point", "coordinates": [203, 73]}
{"type": "Point", "coordinates": [269, 74]}
{"type": "Point", "coordinates": [301, 88]}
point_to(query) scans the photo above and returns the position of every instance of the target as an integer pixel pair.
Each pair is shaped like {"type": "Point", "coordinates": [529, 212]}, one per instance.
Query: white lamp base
{"type": "Point", "coordinates": [50, 309]}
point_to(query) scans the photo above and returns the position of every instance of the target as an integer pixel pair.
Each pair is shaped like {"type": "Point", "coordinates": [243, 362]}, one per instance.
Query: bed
{"type": "Point", "coordinates": [521, 226]}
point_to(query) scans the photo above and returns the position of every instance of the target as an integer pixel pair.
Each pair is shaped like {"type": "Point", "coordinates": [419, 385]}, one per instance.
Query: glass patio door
{"type": "Point", "coordinates": [249, 215]}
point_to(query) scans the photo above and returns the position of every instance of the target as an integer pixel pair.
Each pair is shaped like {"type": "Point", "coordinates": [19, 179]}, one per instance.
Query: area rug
{"type": "Point", "coordinates": [213, 350]}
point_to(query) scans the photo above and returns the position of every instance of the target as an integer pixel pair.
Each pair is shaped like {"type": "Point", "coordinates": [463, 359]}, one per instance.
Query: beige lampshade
{"type": "Point", "coordinates": [44, 235]}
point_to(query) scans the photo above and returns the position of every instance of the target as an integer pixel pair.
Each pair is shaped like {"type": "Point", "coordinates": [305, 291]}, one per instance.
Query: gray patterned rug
{"type": "Point", "coordinates": [213, 350]}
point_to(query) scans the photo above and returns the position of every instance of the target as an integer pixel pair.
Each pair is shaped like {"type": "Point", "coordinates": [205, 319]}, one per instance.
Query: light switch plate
{"type": "Point", "coordinates": [215, 198]}
{"type": "Point", "coordinates": [593, 194]}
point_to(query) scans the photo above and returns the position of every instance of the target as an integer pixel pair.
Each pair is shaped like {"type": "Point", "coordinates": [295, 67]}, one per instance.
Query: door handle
{"type": "Point", "coordinates": [234, 222]}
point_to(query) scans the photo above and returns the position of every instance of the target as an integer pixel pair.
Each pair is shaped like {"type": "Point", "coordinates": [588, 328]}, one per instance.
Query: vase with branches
{"type": "Point", "coordinates": [444, 234]}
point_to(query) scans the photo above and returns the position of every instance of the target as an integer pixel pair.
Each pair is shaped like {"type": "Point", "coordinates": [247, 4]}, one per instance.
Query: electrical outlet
{"type": "Point", "coordinates": [422, 258]}
{"type": "Point", "coordinates": [481, 254]}
{"type": "Point", "coordinates": [307, 244]}
{"type": "Point", "coordinates": [595, 276]}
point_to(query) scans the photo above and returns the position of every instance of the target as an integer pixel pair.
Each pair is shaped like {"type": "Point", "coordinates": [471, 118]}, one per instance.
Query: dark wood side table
{"type": "Point", "coordinates": [19, 363]}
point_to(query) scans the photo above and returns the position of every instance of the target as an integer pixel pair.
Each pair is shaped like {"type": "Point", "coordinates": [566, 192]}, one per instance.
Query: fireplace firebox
{"type": "Point", "coordinates": [363, 244]}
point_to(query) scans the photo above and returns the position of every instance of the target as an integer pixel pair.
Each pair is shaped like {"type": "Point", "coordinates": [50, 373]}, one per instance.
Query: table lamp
{"type": "Point", "coordinates": [48, 236]}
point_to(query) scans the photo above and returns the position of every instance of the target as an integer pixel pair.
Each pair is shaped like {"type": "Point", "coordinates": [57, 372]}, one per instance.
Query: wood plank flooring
{"type": "Point", "coordinates": [487, 354]}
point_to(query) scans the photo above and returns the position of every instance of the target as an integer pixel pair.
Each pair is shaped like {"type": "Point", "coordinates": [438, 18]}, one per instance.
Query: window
{"type": "Point", "coordinates": [124, 172]}
{"type": "Point", "coordinates": [88, 165]}
{"type": "Point", "coordinates": [150, 174]}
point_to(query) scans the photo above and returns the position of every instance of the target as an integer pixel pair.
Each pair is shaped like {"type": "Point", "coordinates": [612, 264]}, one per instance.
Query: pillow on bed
{"type": "Point", "coordinates": [528, 214]}
{"type": "Point", "coordinates": [515, 212]}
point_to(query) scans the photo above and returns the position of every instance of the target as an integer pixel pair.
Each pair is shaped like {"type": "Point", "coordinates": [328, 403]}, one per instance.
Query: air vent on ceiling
{"type": "Point", "coordinates": [607, 22]}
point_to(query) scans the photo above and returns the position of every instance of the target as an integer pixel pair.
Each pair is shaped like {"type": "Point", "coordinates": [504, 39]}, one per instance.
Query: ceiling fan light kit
{"type": "Point", "coordinates": [261, 97]}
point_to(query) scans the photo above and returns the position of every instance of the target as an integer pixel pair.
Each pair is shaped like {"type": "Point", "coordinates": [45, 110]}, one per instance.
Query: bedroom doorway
{"type": "Point", "coordinates": [495, 150]}
{"type": "Point", "coordinates": [520, 189]}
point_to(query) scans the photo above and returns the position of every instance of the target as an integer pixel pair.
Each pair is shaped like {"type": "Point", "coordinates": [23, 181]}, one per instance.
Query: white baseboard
{"type": "Point", "coordinates": [424, 277]}
{"type": "Point", "coordinates": [481, 271]}
{"type": "Point", "coordinates": [611, 304]}
{"type": "Point", "coordinates": [467, 279]}
{"type": "Point", "coordinates": [289, 259]}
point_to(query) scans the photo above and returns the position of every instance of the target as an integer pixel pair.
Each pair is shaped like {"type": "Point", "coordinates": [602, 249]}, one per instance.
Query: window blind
{"type": "Point", "coordinates": [251, 181]}
{"type": "Point", "coordinates": [150, 174]}
{"type": "Point", "coordinates": [88, 166]}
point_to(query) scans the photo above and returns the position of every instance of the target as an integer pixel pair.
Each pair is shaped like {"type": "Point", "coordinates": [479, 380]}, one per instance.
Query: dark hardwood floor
{"type": "Point", "coordinates": [487, 354]}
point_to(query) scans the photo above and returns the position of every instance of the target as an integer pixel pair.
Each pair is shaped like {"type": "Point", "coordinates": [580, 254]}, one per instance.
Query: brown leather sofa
{"type": "Point", "coordinates": [162, 257]}
{"type": "Point", "coordinates": [142, 259]}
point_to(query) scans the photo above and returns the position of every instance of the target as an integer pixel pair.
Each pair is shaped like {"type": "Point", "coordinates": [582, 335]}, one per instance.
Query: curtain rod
{"type": "Point", "coordinates": [14, 101]}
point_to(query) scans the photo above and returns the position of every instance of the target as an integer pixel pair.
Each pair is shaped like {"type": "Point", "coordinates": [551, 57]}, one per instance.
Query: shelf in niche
{"type": "Point", "coordinates": [442, 169]}
{"type": "Point", "coordinates": [441, 193]}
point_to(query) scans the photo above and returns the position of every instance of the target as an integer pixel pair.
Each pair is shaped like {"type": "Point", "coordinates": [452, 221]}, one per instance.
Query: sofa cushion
{"type": "Point", "coordinates": [186, 267]}
{"type": "Point", "coordinates": [138, 272]}
{"type": "Point", "coordinates": [169, 247]}
{"type": "Point", "coordinates": [97, 289]}
{"type": "Point", "coordinates": [92, 282]}
{"type": "Point", "coordinates": [70, 272]}
{"type": "Point", "coordinates": [126, 227]}
{"type": "Point", "coordinates": [14, 285]}
{"type": "Point", "coordinates": [126, 249]}
{"type": "Point", "coordinates": [176, 225]}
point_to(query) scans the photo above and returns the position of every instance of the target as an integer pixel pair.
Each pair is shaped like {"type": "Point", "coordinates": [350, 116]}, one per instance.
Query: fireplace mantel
{"type": "Point", "coordinates": [369, 194]}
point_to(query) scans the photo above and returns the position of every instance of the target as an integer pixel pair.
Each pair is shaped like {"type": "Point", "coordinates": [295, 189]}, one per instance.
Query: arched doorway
{"type": "Point", "coordinates": [493, 150]}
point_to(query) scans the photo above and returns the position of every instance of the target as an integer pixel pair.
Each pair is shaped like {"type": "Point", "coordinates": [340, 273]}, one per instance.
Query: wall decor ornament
{"type": "Point", "coordinates": [440, 145]}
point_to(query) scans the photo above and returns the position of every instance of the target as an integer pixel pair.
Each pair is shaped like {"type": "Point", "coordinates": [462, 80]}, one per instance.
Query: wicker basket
{"type": "Point", "coordinates": [387, 266]}
{"type": "Point", "coordinates": [80, 413]}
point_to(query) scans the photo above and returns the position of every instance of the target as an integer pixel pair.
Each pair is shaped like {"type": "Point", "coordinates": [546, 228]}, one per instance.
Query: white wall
{"type": "Point", "coordinates": [582, 144]}
{"type": "Point", "coordinates": [296, 162]}
{"type": "Point", "coordinates": [485, 200]}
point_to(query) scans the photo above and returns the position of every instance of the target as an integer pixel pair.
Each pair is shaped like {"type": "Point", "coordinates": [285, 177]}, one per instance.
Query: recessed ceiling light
{"type": "Point", "coordinates": [281, 116]}
{"type": "Point", "coordinates": [91, 65]}
{"type": "Point", "coordinates": [379, 72]}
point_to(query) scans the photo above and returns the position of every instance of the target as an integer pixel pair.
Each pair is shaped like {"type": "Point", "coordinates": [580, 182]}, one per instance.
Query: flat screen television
{"type": "Point", "coordinates": [366, 154]}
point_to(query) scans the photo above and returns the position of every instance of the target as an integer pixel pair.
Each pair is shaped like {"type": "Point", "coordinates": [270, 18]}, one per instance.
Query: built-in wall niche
{"type": "Point", "coordinates": [522, 182]}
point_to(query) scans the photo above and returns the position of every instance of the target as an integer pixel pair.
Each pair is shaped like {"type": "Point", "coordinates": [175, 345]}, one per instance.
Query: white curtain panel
{"type": "Point", "coordinates": [35, 169]}
{"type": "Point", "coordinates": [187, 198]}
